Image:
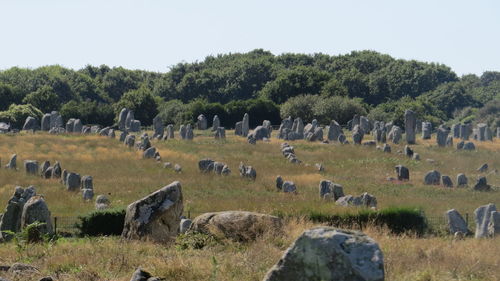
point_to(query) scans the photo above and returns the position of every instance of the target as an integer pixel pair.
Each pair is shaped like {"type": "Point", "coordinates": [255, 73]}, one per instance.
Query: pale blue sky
{"type": "Point", "coordinates": [154, 34]}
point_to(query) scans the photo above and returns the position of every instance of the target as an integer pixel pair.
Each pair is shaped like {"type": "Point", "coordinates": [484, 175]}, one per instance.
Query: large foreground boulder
{"type": "Point", "coordinates": [155, 217]}
{"type": "Point", "coordinates": [236, 225]}
{"type": "Point", "coordinates": [326, 253]}
{"type": "Point", "coordinates": [36, 210]}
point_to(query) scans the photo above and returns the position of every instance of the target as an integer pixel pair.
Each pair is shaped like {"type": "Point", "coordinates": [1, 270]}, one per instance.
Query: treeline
{"type": "Point", "coordinates": [258, 82]}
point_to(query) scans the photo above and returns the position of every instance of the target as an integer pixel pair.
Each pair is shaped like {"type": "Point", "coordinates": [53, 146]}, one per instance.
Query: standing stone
{"type": "Point", "coordinates": [123, 135]}
{"type": "Point", "coordinates": [56, 170]}
{"type": "Point", "coordinates": [189, 132]}
{"type": "Point", "coordinates": [494, 224]}
{"type": "Point", "coordinates": [102, 202]}
{"type": "Point", "coordinates": [456, 222]}
{"type": "Point", "coordinates": [449, 141]}
{"type": "Point", "coordinates": [182, 132]}
{"type": "Point", "coordinates": [395, 134]}
{"type": "Point", "coordinates": [408, 151]}
{"type": "Point", "coordinates": [170, 132]}
{"type": "Point", "coordinates": [267, 124]}
{"type": "Point", "coordinates": [330, 190]}
{"type": "Point", "coordinates": [11, 218]}
{"type": "Point", "coordinates": [245, 126]}
{"type": "Point", "coordinates": [482, 216]}
{"type": "Point", "coordinates": [279, 183]}
{"type": "Point", "coordinates": [95, 129]}
{"type": "Point", "coordinates": [36, 210]}
{"type": "Point", "coordinates": [483, 168]}
{"type": "Point", "coordinates": [247, 171]}
{"type": "Point", "coordinates": [289, 187]}
{"type": "Point", "coordinates": [482, 131]}
{"type": "Point", "coordinates": [87, 194]}
{"type": "Point", "coordinates": [128, 121]}
{"type": "Point", "coordinates": [455, 130]}
{"type": "Point", "coordinates": [447, 182]}
{"type": "Point", "coordinates": [87, 182]}
{"type": "Point", "coordinates": [77, 126]}
{"type": "Point", "coordinates": [488, 134]}
{"type": "Point", "coordinates": [45, 126]}
{"type": "Point", "coordinates": [442, 136]}
{"type": "Point", "coordinates": [149, 153]}
{"type": "Point", "coordinates": [259, 133]}
{"type": "Point", "coordinates": [410, 126]}
{"type": "Point", "coordinates": [12, 162]}
{"type": "Point", "coordinates": [498, 132]}
{"type": "Point", "coordinates": [122, 118]}
{"type": "Point", "coordinates": [184, 225]}
{"type": "Point", "coordinates": [298, 128]}
{"type": "Point", "coordinates": [402, 172]}
{"type": "Point", "coordinates": [460, 145]}
{"type": "Point", "coordinates": [469, 146]}
{"type": "Point", "coordinates": [355, 121]}
{"type": "Point", "coordinates": [364, 123]}
{"type": "Point", "coordinates": [130, 141]}
{"type": "Point", "coordinates": [135, 126]}
{"type": "Point", "coordinates": [334, 131]}
{"type": "Point", "coordinates": [325, 253]}
{"type": "Point", "coordinates": [158, 127]}
{"type": "Point", "coordinates": [70, 125]}
{"type": "Point", "coordinates": [426, 130]}
{"type": "Point", "coordinates": [462, 180]}
{"type": "Point", "coordinates": [465, 131]}
{"type": "Point", "coordinates": [29, 124]}
{"type": "Point", "coordinates": [432, 178]}
{"type": "Point", "coordinates": [220, 133]}
{"type": "Point", "coordinates": [64, 177]}
{"type": "Point", "coordinates": [201, 123]}
{"type": "Point", "coordinates": [55, 120]}
{"type": "Point", "coordinates": [45, 165]}
{"type": "Point", "coordinates": [111, 134]}
{"type": "Point", "coordinates": [31, 167]}
{"type": "Point", "coordinates": [73, 181]}
{"type": "Point", "coordinates": [482, 185]}
{"type": "Point", "coordinates": [357, 134]}
{"type": "Point", "coordinates": [238, 127]}
{"type": "Point", "coordinates": [215, 123]}
{"type": "Point", "coordinates": [155, 217]}
{"type": "Point", "coordinates": [386, 148]}
{"type": "Point", "coordinates": [286, 127]}
{"type": "Point", "coordinates": [317, 135]}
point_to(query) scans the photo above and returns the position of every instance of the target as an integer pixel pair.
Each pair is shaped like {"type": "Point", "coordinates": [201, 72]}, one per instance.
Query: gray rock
{"type": "Point", "coordinates": [86, 130]}
{"type": "Point", "coordinates": [36, 210]}
{"type": "Point", "coordinates": [432, 178]}
{"type": "Point", "coordinates": [155, 217]}
{"type": "Point", "coordinates": [236, 225]}
{"type": "Point", "coordinates": [31, 167]}
{"type": "Point", "coordinates": [64, 177]}
{"type": "Point", "coordinates": [238, 128]}
{"type": "Point", "coordinates": [357, 134]}
{"type": "Point", "coordinates": [12, 162]}
{"type": "Point", "coordinates": [247, 171]}
{"type": "Point", "coordinates": [111, 134]}
{"type": "Point", "coordinates": [455, 130]}
{"type": "Point", "coordinates": [177, 168]}
{"type": "Point", "coordinates": [159, 128]}
{"type": "Point", "coordinates": [410, 126]}
{"type": "Point", "coordinates": [289, 187]}
{"type": "Point", "coordinates": [279, 183]}
{"type": "Point", "coordinates": [259, 133]}
{"type": "Point", "coordinates": [447, 182]}
{"type": "Point", "coordinates": [316, 135]}
{"type": "Point", "coordinates": [21, 268]}
{"type": "Point", "coordinates": [455, 222]}
{"type": "Point", "coordinates": [182, 132]}
{"type": "Point", "coordinates": [201, 123]}
{"type": "Point", "coordinates": [395, 134]}
{"type": "Point", "coordinates": [460, 145]}
{"type": "Point", "coordinates": [169, 132]}
{"type": "Point", "coordinates": [104, 132]}
{"type": "Point", "coordinates": [206, 165]}
{"type": "Point", "coordinates": [469, 146]}
{"type": "Point", "coordinates": [47, 174]}
{"type": "Point", "coordinates": [483, 168]}
{"type": "Point", "coordinates": [494, 224]}
{"type": "Point", "coordinates": [135, 126]}
{"type": "Point", "coordinates": [130, 141]}
{"type": "Point", "coordinates": [184, 225]}
{"type": "Point", "coordinates": [149, 153]}
{"type": "Point", "coordinates": [386, 148]}
{"type": "Point", "coordinates": [220, 133]}
{"type": "Point", "coordinates": [45, 125]}
{"type": "Point", "coordinates": [364, 123]}
{"type": "Point", "coordinates": [141, 275]}
{"type": "Point", "coordinates": [70, 125]}
{"type": "Point", "coordinates": [122, 117]}
{"type": "Point", "coordinates": [482, 185]}
{"type": "Point", "coordinates": [364, 200]}
{"type": "Point", "coordinates": [128, 120]}
{"type": "Point", "coordinates": [442, 136]}
{"type": "Point", "coordinates": [77, 126]}
{"type": "Point", "coordinates": [408, 151]}
{"type": "Point", "coordinates": [102, 202]}
{"type": "Point", "coordinates": [245, 126]}
{"type": "Point", "coordinates": [189, 132]}
{"type": "Point", "coordinates": [95, 129]}
{"type": "Point", "coordinates": [482, 131]}
{"type": "Point", "coordinates": [267, 124]}
{"type": "Point", "coordinates": [330, 190]}
{"type": "Point", "coordinates": [73, 181]}
{"type": "Point", "coordinates": [123, 135]}
{"type": "Point", "coordinates": [11, 219]}
{"type": "Point", "coordinates": [449, 141]}
{"type": "Point", "coordinates": [225, 171]}
{"type": "Point", "coordinates": [326, 253]}
{"type": "Point", "coordinates": [426, 130]}
{"type": "Point", "coordinates": [30, 124]}
{"type": "Point", "coordinates": [402, 173]}
{"type": "Point", "coordinates": [462, 180]}
{"type": "Point", "coordinates": [45, 165]}
{"type": "Point", "coordinates": [465, 130]}
{"type": "Point", "coordinates": [215, 123]}
{"type": "Point", "coordinates": [482, 216]}
{"type": "Point", "coordinates": [87, 182]}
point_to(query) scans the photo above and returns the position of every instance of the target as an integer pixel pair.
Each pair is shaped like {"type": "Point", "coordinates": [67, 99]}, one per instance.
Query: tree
{"type": "Point", "coordinates": [17, 114]}
{"type": "Point", "coordinates": [142, 102]}
{"type": "Point", "coordinates": [8, 96]}
{"type": "Point", "coordinates": [44, 99]}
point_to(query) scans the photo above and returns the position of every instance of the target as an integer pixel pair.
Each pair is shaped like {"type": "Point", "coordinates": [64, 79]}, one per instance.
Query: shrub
{"type": "Point", "coordinates": [17, 114]}
{"type": "Point", "coordinates": [102, 222]}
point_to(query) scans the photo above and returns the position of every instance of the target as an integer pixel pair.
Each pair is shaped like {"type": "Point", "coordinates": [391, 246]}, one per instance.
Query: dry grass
{"type": "Point", "coordinates": [124, 175]}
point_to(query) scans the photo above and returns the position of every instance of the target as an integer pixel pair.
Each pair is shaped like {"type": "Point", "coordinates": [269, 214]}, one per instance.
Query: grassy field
{"type": "Point", "coordinates": [126, 177]}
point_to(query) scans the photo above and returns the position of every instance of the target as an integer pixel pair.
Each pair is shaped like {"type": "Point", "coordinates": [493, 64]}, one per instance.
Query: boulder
{"type": "Point", "coordinates": [87, 182]}
{"type": "Point", "coordinates": [206, 165]}
{"type": "Point", "coordinates": [469, 146]}
{"type": "Point", "coordinates": [408, 151]}
{"type": "Point", "coordinates": [45, 125]}
{"type": "Point", "coordinates": [494, 224]}
{"type": "Point", "coordinates": [462, 180]}
{"type": "Point", "coordinates": [236, 225]}
{"type": "Point", "coordinates": [432, 178]}
{"type": "Point", "coordinates": [129, 141]}
{"type": "Point", "coordinates": [237, 128]}
{"type": "Point", "coordinates": [465, 130]}
{"type": "Point", "coordinates": [402, 173]}
{"type": "Point", "coordinates": [410, 126]}
{"type": "Point", "coordinates": [386, 148]}
{"type": "Point", "coordinates": [455, 222]}
{"type": "Point", "coordinates": [141, 275]}
{"type": "Point", "coordinates": [155, 217]}
{"type": "Point", "coordinates": [446, 180]}
{"type": "Point", "coordinates": [442, 136]}
{"type": "Point", "coordinates": [36, 210]}
{"type": "Point", "coordinates": [483, 168]}
{"type": "Point", "coordinates": [201, 123]}
{"type": "Point", "coordinates": [129, 119]}
{"type": "Point", "coordinates": [259, 133]}
{"type": "Point", "coordinates": [30, 124]}
{"type": "Point", "coordinates": [149, 153]}
{"type": "Point", "coordinates": [12, 162]}
{"type": "Point", "coordinates": [365, 200]}
{"type": "Point", "coordinates": [11, 218]}
{"type": "Point", "coordinates": [482, 185]}
{"type": "Point", "coordinates": [247, 171]}
{"type": "Point", "coordinates": [426, 130]}
{"type": "Point", "coordinates": [73, 181]}
{"type": "Point", "coordinates": [87, 194]}
{"type": "Point", "coordinates": [330, 190]}
{"type": "Point", "coordinates": [31, 167]}
{"type": "Point", "coordinates": [326, 253]}
{"type": "Point", "coordinates": [482, 216]}
{"type": "Point", "coordinates": [102, 202]}
{"type": "Point", "coordinates": [289, 187]}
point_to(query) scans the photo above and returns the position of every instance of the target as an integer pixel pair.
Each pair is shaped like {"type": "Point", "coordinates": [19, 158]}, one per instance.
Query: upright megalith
{"type": "Point", "coordinates": [357, 134]}
{"type": "Point", "coordinates": [410, 126]}
{"type": "Point", "coordinates": [245, 126]}
{"type": "Point", "coordinates": [215, 123]}
{"type": "Point", "coordinates": [432, 178]}
{"type": "Point", "coordinates": [329, 190]}
{"type": "Point", "coordinates": [442, 137]}
{"type": "Point", "coordinates": [128, 120]}
{"type": "Point", "coordinates": [12, 162]}
{"type": "Point", "coordinates": [70, 125]}
{"type": "Point", "coordinates": [36, 210]}
{"type": "Point", "coordinates": [201, 122]}
{"type": "Point", "coordinates": [11, 218]}
{"type": "Point", "coordinates": [158, 127]}
{"type": "Point", "coordinates": [426, 130]}
{"type": "Point", "coordinates": [482, 216]}
{"type": "Point", "coordinates": [169, 134]}
{"type": "Point", "coordinates": [465, 130]}
{"type": "Point", "coordinates": [395, 134]}
{"type": "Point", "coordinates": [155, 217]}
{"type": "Point", "coordinates": [402, 173]}
{"type": "Point", "coordinates": [30, 124]}
{"type": "Point", "coordinates": [326, 253]}
{"type": "Point", "coordinates": [31, 167]}
{"type": "Point", "coordinates": [45, 125]}
{"type": "Point", "coordinates": [334, 131]}
{"type": "Point", "coordinates": [77, 126]}
{"type": "Point", "coordinates": [72, 181]}
{"type": "Point", "coordinates": [456, 222]}
{"type": "Point", "coordinates": [122, 117]}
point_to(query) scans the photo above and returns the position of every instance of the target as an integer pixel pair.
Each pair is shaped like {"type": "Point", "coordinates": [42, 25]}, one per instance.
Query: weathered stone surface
{"type": "Point", "coordinates": [87, 182]}
{"type": "Point", "coordinates": [365, 124]}
{"type": "Point", "coordinates": [494, 224]}
{"type": "Point", "coordinates": [330, 190]}
{"type": "Point", "coordinates": [87, 194]}
{"type": "Point", "coordinates": [149, 153]}
{"type": "Point", "coordinates": [482, 216]}
{"type": "Point", "coordinates": [357, 134]}
{"type": "Point", "coordinates": [326, 253]}
{"type": "Point", "coordinates": [482, 185]}
{"type": "Point", "coordinates": [122, 117]}
{"type": "Point", "coordinates": [45, 125]}
{"type": "Point", "coordinates": [77, 126]}
{"type": "Point", "coordinates": [206, 165]}
{"type": "Point", "coordinates": [237, 128]}
{"type": "Point", "coordinates": [469, 146]}
{"type": "Point", "coordinates": [70, 125]}
{"type": "Point", "coordinates": [135, 126]}
{"type": "Point", "coordinates": [155, 217]}
{"type": "Point", "coordinates": [267, 124]}
{"type": "Point", "coordinates": [442, 136]}
{"type": "Point", "coordinates": [30, 124]}
{"type": "Point", "coordinates": [215, 123]}
{"type": "Point", "coordinates": [462, 180]}
{"type": "Point", "coordinates": [184, 225]}
{"type": "Point", "coordinates": [247, 171]}
{"type": "Point", "coordinates": [36, 210]}
{"type": "Point", "coordinates": [182, 132]}
{"type": "Point", "coordinates": [402, 173]}
{"type": "Point", "coordinates": [410, 126]}
{"type": "Point", "coordinates": [102, 202]}
{"type": "Point", "coordinates": [129, 140]}
{"type": "Point", "coordinates": [159, 128]}
{"type": "Point", "coordinates": [395, 134]}
{"type": "Point", "coordinates": [483, 168]}
{"type": "Point", "coordinates": [236, 225]}
{"type": "Point", "coordinates": [447, 182]}
{"type": "Point", "coordinates": [201, 122]}
{"type": "Point", "coordinates": [11, 219]}
{"type": "Point", "coordinates": [426, 130]}
{"type": "Point", "coordinates": [220, 133]}
{"type": "Point", "coordinates": [465, 130]}
{"type": "Point", "coordinates": [365, 200]}
{"type": "Point", "coordinates": [31, 167]}
{"type": "Point", "coordinates": [95, 129]}
{"type": "Point", "coordinates": [129, 119]}
{"type": "Point", "coordinates": [169, 132]}
{"type": "Point", "coordinates": [12, 162]}
{"type": "Point", "coordinates": [245, 126]}
{"type": "Point", "coordinates": [432, 178]}
{"type": "Point", "coordinates": [455, 222]}
{"type": "Point", "coordinates": [45, 165]}
{"type": "Point", "coordinates": [259, 133]}
{"type": "Point", "coordinates": [73, 181]}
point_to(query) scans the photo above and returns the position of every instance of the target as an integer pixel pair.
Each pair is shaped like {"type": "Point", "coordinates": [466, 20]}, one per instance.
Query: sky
{"type": "Point", "coordinates": [157, 34]}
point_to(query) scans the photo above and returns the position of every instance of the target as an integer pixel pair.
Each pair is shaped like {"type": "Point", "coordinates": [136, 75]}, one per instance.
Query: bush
{"type": "Point", "coordinates": [89, 112]}
{"type": "Point", "coordinates": [16, 114]}
{"type": "Point", "coordinates": [102, 222]}
{"type": "Point", "coordinates": [398, 219]}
